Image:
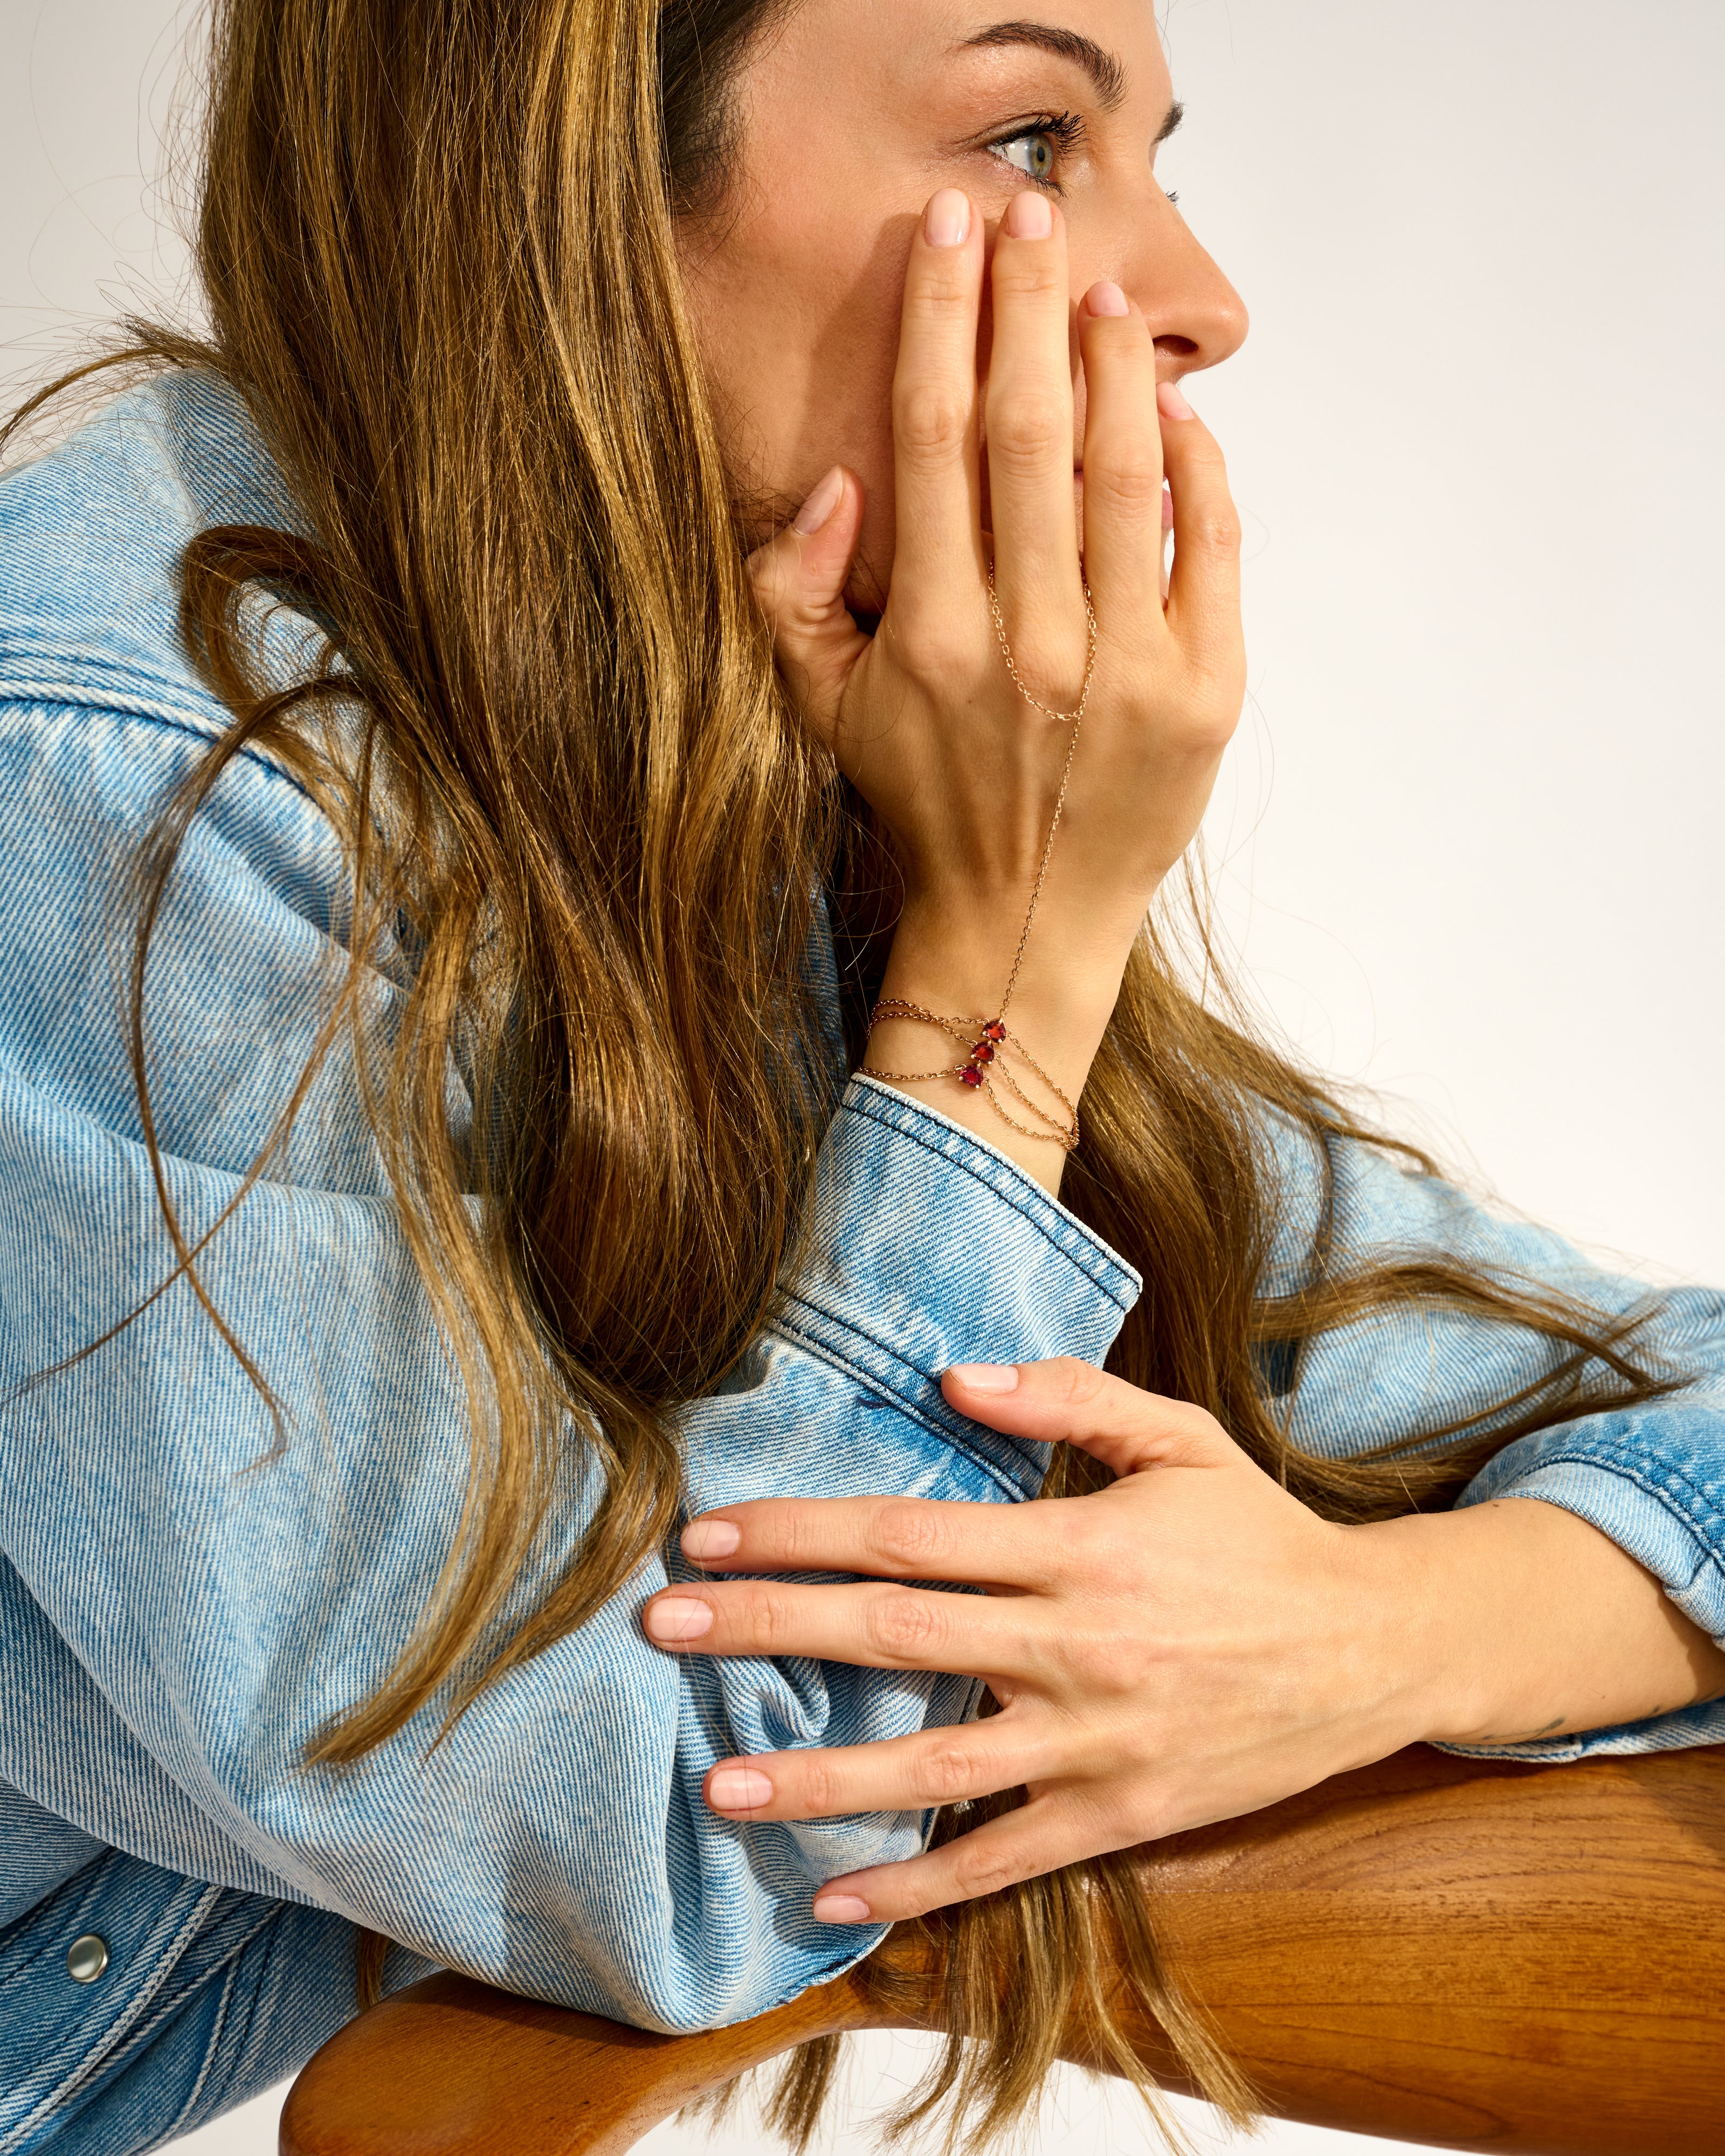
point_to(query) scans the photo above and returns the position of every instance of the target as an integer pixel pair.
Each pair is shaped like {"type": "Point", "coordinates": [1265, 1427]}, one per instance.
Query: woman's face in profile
{"type": "Point", "coordinates": [853, 113]}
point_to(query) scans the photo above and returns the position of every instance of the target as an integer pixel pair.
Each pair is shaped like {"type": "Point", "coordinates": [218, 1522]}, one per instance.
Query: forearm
{"type": "Point", "coordinates": [1523, 1620]}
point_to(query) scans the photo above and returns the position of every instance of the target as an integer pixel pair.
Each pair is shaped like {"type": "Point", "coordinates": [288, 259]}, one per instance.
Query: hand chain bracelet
{"type": "Point", "coordinates": [991, 1035]}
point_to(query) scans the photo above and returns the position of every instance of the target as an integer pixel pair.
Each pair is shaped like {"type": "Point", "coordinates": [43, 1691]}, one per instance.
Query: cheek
{"type": "Point", "coordinates": [835, 376]}
{"type": "Point", "coordinates": [798, 326]}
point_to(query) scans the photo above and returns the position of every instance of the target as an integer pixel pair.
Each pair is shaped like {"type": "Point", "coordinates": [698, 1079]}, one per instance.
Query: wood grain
{"type": "Point", "coordinates": [1471, 1954]}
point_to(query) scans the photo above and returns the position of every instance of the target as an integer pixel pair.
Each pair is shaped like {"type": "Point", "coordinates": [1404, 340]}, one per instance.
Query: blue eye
{"type": "Point", "coordinates": [1037, 147]}
{"type": "Point", "coordinates": [1033, 153]}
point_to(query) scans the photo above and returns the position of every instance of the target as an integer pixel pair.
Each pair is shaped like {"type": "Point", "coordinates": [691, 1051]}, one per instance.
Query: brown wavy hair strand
{"type": "Point", "coordinates": [440, 244]}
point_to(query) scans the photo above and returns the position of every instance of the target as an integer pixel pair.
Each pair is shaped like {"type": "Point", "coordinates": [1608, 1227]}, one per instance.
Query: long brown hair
{"type": "Point", "coordinates": [439, 244]}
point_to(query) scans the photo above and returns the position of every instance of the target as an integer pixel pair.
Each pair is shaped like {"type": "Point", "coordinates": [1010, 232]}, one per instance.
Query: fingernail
{"type": "Point", "coordinates": [738, 1789]}
{"type": "Point", "coordinates": [986, 1377]}
{"type": "Point", "coordinates": [1172, 404]}
{"type": "Point", "coordinates": [1106, 298]}
{"type": "Point", "coordinates": [711, 1538]}
{"type": "Point", "coordinates": [821, 503]}
{"type": "Point", "coordinates": [1028, 217]}
{"type": "Point", "coordinates": [946, 223]}
{"type": "Point", "coordinates": [840, 1909]}
{"type": "Point", "coordinates": [677, 1618]}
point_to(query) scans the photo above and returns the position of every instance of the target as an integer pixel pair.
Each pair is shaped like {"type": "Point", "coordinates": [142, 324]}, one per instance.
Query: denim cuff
{"type": "Point", "coordinates": [1654, 1502]}
{"type": "Point", "coordinates": [929, 1247]}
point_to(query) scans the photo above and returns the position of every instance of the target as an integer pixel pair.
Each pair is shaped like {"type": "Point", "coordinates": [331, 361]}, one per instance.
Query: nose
{"type": "Point", "coordinates": [1195, 315]}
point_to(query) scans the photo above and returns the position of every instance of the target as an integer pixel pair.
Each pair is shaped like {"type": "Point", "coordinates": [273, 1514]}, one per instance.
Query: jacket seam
{"type": "Point", "coordinates": [823, 1351]}
{"type": "Point", "coordinates": [1075, 1245]}
{"type": "Point", "coordinates": [118, 718]}
{"type": "Point", "coordinates": [1703, 1532]}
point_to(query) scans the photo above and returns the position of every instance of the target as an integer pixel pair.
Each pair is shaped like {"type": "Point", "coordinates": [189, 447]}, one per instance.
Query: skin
{"type": "Point", "coordinates": [946, 366]}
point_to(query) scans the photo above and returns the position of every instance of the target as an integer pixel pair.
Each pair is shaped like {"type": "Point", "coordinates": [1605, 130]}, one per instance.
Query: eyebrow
{"type": "Point", "coordinates": [1104, 69]}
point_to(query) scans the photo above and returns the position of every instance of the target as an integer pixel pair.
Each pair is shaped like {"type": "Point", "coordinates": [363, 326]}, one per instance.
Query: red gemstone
{"type": "Point", "coordinates": [973, 1076]}
{"type": "Point", "coordinates": [995, 1030]}
{"type": "Point", "coordinates": [983, 1052]}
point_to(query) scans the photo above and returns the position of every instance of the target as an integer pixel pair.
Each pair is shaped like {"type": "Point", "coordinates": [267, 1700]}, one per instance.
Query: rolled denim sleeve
{"type": "Point", "coordinates": [181, 1606]}
{"type": "Point", "coordinates": [1651, 1477]}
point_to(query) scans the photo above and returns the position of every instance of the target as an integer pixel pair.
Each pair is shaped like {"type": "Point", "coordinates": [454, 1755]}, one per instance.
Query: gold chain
{"type": "Point", "coordinates": [992, 1034]}
{"type": "Point", "coordinates": [1017, 679]}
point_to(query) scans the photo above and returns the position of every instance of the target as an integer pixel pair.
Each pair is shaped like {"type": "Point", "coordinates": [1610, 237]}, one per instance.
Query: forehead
{"type": "Point", "coordinates": [862, 49]}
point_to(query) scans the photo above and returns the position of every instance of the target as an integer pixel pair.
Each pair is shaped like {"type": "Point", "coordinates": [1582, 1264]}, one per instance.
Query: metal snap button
{"type": "Point", "coordinates": [86, 1958]}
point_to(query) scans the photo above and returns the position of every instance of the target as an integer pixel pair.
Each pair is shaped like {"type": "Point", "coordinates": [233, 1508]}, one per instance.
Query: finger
{"type": "Point", "coordinates": [1063, 1400]}
{"type": "Point", "coordinates": [1122, 461]}
{"type": "Point", "coordinates": [891, 1537]}
{"type": "Point", "coordinates": [898, 1774]}
{"type": "Point", "coordinates": [1030, 433]}
{"type": "Point", "coordinates": [1040, 1836]}
{"type": "Point", "coordinates": [1203, 590]}
{"type": "Point", "coordinates": [937, 548]}
{"type": "Point", "coordinates": [871, 1626]}
{"type": "Point", "coordinates": [799, 578]}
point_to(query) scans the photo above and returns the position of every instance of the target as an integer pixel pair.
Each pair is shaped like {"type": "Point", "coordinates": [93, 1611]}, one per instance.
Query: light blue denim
{"type": "Point", "coordinates": [176, 1621]}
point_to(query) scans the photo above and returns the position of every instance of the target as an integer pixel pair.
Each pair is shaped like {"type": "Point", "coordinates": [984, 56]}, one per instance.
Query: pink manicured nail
{"type": "Point", "coordinates": [840, 1909]}
{"type": "Point", "coordinates": [1028, 217]}
{"type": "Point", "coordinates": [738, 1789]}
{"type": "Point", "coordinates": [711, 1538]}
{"type": "Point", "coordinates": [986, 1377]}
{"type": "Point", "coordinates": [676, 1618]}
{"type": "Point", "coordinates": [946, 223]}
{"type": "Point", "coordinates": [821, 503]}
{"type": "Point", "coordinates": [1106, 298]}
{"type": "Point", "coordinates": [1171, 404]}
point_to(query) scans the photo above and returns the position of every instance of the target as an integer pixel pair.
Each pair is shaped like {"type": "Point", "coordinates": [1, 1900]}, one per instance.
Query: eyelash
{"type": "Point", "coordinates": [1065, 129]}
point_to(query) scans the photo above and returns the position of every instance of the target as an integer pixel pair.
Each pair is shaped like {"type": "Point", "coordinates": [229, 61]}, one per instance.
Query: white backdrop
{"type": "Point", "coordinates": [1466, 842]}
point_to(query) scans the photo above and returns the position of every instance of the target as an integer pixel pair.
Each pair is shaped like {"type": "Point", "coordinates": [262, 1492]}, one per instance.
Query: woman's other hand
{"type": "Point", "coordinates": [924, 718]}
{"type": "Point", "coordinates": [1190, 1644]}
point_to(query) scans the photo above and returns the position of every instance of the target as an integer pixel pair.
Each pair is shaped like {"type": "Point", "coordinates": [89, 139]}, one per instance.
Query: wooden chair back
{"type": "Point", "coordinates": [1469, 1955]}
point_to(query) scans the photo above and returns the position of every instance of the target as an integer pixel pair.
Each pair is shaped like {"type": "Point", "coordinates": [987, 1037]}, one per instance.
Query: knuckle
{"type": "Point", "coordinates": [902, 1625]}
{"type": "Point", "coordinates": [1028, 272]}
{"type": "Point", "coordinates": [1029, 430]}
{"type": "Point", "coordinates": [1130, 483]}
{"type": "Point", "coordinates": [941, 662]}
{"type": "Point", "coordinates": [990, 1867]}
{"type": "Point", "coordinates": [909, 1534]}
{"type": "Point", "coordinates": [766, 1618]}
{"type": "Point", "coordinates": [936, 296]}
{"type": "Point", "coordinates": [1217, 530]}
{"type": "Point", "coordinates": [1076, 1383]}
{"type": "Point", "coordinates": [930, 422]}
{"type": "Point", "coordinates": [1051, 660]}
{"type": "Point", "coordinates": [786, 1540]}
{"type": "Point", "coordinates": [947, 1773]}
{"type": "Point", "coordinates": [817, 1789]}
{"type": "Point", "coordinates": [941, 652]}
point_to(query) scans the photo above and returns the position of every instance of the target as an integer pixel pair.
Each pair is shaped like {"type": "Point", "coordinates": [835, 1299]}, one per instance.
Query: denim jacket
{"type": "Point", "coordinates": [179, 1614]}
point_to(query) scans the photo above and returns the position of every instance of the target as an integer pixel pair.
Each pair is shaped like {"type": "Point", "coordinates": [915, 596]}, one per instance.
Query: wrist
{"type": "Point", "coordinates": [961, 960]}
{"type": "Point", "coordinates": [1392, 1643]}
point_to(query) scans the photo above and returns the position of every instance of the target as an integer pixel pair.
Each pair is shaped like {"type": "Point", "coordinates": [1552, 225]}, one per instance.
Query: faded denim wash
{"type": "Point", "coordinates": [176, 1621]}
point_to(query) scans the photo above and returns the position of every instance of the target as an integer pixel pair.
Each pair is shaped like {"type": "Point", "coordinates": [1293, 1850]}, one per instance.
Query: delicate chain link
{"type": "Point", "coordinates": [1017, 679]}
{"type": "Point", "coordinates": [1074, 719]}
{"type": "Point", "coordinates": [993, 1033]}
{"type": "Point", "coordinates": [992, 1036]}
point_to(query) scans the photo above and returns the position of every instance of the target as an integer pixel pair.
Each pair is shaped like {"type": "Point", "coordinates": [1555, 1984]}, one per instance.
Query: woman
{"type": "Point", "coordinates": [436, 1248]}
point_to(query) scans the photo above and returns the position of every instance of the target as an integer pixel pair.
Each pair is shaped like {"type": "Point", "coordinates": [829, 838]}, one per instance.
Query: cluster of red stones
{"type": "Point", "coordinates": [984, 1052]}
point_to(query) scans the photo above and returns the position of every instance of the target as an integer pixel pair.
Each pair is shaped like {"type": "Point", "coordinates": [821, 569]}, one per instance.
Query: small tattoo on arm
{"type": "Point", "coordinates": [1529, 1737]}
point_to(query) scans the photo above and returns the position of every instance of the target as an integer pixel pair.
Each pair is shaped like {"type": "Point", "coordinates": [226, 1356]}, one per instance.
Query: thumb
{"type": "Point", "coordinates": [1064, 1401]}
{"type": "Point", "coordinates": [799, 578]}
